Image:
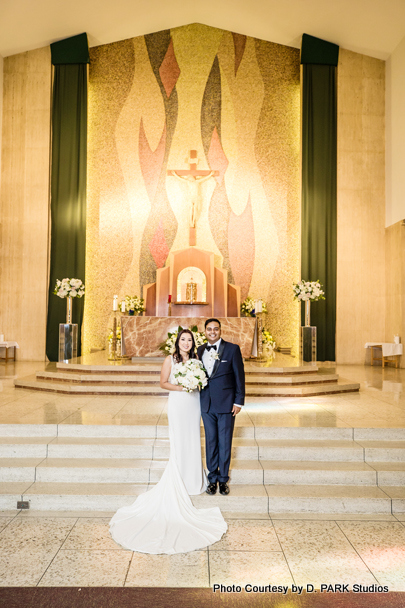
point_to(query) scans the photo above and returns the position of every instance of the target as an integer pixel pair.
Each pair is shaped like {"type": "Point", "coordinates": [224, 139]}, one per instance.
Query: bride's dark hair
{"type": "Point", "coordinates": [193, 351]}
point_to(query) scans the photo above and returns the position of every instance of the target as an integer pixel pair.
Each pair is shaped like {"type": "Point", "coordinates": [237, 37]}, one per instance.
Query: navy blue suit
{"type": "Point", "coordinates": [226, 387]}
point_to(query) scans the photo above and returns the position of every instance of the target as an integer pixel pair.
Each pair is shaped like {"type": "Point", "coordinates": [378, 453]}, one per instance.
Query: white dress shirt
{"type": "Point", "coordinates": [208, 360]}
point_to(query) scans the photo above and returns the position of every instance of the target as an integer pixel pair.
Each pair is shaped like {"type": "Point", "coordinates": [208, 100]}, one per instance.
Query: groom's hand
{"type": "Point", "coordinates": [236, 410]}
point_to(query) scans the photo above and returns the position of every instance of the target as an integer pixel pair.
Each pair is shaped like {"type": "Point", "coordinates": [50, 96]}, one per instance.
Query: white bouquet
{"type": "Point", "coordinates": [69, 288]}
{"type": "Point", "coordinates": [190, 375]}
{"type": "Point", "coordinates": [308, 290]}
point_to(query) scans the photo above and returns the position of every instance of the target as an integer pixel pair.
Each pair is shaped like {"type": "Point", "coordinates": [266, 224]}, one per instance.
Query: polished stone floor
{"type": "Point", "coordinates": [380, 403]}
{"type": "Point", "coordinates": [74, 549]}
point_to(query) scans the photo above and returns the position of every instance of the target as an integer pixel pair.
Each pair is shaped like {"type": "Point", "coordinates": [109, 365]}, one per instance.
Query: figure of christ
{"type": "Point", "coordinates": [194, 179]}
{"type": "Point", "coordinates": [194, 187]}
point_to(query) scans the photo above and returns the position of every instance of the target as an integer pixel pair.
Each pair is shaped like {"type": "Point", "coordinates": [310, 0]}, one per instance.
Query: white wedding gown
{"type": "Point", "coordinates": [164, 520]}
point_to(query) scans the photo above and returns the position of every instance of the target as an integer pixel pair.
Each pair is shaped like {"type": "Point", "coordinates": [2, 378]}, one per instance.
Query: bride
{"type": "Point", "coordinates": [163, 520]}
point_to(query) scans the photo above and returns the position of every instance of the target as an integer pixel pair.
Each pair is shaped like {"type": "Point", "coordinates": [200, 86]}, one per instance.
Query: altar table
{"type": "Point", "coordinates": [388, 349]}
{"type": "Point", "coordinates": [7, 345]}
{"type": "Point", "coordinates": [141, 336]}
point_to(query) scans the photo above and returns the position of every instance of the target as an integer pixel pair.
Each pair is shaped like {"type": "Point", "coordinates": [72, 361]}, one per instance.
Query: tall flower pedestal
{"type": "Point", "coordinates": [68, 335]}
{"type": "Point", "coordinates": [67, 341]}
{"type": "Point", "coordinates": [308, 337]}
{"type": "Point", "coordinates": [308, 344]}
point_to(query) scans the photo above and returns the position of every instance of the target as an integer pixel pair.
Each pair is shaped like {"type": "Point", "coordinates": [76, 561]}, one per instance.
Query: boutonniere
{"type": "Point", "coordinates": [214, 355]}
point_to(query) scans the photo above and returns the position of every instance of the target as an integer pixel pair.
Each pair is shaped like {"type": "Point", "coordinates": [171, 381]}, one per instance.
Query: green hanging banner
{"type": "Point", "coordinates": [68, 181]}
{"type": "Point", "coordinates": [319, 190]}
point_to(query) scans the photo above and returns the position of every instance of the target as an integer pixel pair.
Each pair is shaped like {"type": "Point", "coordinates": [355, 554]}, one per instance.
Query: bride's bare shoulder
{"type": "Point", "coordinates": [167, 361]}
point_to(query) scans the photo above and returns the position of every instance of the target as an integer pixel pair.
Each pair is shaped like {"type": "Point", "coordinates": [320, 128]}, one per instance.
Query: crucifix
{"type": "Point", "coordinates": [193, 178]}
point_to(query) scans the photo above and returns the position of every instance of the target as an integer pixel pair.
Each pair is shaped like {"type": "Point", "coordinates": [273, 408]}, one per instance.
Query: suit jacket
{"type": "Point", "coordinates": [226, 385]}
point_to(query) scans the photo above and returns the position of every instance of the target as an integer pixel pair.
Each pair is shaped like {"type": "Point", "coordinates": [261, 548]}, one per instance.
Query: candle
{"type": "Point", "coordinates": [169, 299]}
{"type": "Point", "coordinates": [123, 306]}
{"type": "Point", "coordinates": [115, 303]}
{"type": "Point", "coordinates": [1, 337]}
{"type": "Point", "coordinates": [259, 306]}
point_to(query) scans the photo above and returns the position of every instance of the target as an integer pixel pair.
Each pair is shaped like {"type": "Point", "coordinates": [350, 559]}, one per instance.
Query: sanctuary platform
{"type": "Point", "coordinates": [93, 374]}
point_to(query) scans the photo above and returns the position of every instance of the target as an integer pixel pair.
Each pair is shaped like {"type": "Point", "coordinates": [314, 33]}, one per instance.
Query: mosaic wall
{"type": "Point", "coordinates": [234, 99]}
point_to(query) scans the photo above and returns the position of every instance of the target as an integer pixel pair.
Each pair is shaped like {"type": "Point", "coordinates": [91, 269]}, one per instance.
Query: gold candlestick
{"type": "Point", "coordinates": [113, 355]}
{"type": "Point", "coordinates": [259, 335]}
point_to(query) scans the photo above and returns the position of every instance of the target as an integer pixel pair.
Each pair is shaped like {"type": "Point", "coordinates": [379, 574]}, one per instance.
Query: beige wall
{"type": "Point", "coordinates": [395, 283]}
{"type": "Point", "coordinates": [395, 102]}
{"type": "Point", "coordinates": [1, 117]}
{"type": "Point", "coordinates": [24, 201]}
{"type": "Point", "coordinates": [361, 205]}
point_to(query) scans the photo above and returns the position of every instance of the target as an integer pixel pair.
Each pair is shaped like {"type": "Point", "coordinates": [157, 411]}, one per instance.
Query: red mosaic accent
{"type": "Point", "coordinates": [169, 70]}
{"type": "Point", "coordinates": [158, 246]}
{"type": "Point", "coordinates": [151, 162]}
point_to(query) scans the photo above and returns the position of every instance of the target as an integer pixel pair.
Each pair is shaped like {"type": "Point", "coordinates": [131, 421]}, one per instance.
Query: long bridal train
{"type": "Point", "coordinates": [164, 520]}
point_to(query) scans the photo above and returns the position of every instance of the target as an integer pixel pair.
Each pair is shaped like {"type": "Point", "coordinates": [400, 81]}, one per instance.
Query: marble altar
{"type": "Point", "coordinates": [142, 335]}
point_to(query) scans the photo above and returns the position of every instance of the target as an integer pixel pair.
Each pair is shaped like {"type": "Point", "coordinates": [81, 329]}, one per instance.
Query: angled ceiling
{"type": "Point", "coordinates": [372, 27]}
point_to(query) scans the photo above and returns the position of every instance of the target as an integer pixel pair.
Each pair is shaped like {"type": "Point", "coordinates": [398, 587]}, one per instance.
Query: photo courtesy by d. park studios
{"type": "Point", "coordinates": [202, 304]}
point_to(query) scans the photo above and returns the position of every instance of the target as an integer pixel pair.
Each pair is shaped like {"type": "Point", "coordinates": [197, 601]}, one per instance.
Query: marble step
{"type": "Point", "coordinates": [76, 388]}
{"type": "Point", "coordinates": [384, 451]}
{"type": "Point", "coordinates": [253, 498]}
{"type": "Point", "coordinates": [327, 498]}
{"type": "Point", "coordinates": [264, 390]}
{"type": "Point", "coordinates": [243, 448]}
{"type": "Point", "coordinates": [151, 378]}
{"type": "Point", "coordinates": [110, 470]}
{"type": "Point", "coordinates": [303, 391]}
{"type": "Point", "coordinates": [119, 470]}
{"type": "Point", "coordinates": [313, 450]}
{"type": "Point", "coordinates": [281, 472]}
{"type": "Point", "coordinates": [243, 428]}
{"type": "Point", "coordinates": [155, 366]}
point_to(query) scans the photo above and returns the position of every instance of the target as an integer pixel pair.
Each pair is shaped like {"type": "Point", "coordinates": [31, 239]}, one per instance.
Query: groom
{"type": "Point", "coordinates": [221, 401]}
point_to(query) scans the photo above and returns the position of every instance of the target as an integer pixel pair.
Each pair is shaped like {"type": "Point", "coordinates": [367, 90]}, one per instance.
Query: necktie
{"type": "Point", "coordinates": [214, 346]}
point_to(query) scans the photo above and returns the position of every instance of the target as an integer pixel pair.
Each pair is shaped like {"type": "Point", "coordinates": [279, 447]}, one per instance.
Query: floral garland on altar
{"type": "Point", "coordinates": [168, 345]}
{"type": "Point", "coordinates": [248, 307]}
{"type": "Point", "coordinates": [308, 290]}
{"type": "Point", "coordinates": [135, 304]}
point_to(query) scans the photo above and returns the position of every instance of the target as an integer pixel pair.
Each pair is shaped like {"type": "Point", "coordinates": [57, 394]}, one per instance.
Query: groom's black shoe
{"type": "Point", "coordinates": [212, 488]}
{"type": "Point", "coordinates": [223, 488]}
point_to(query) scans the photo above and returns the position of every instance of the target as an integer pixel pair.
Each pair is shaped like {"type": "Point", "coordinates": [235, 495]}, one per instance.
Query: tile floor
{"type": "Point", "coordinates": [74, 549]}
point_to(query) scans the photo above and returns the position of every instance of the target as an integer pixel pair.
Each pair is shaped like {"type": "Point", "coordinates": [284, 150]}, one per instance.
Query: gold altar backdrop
{"type": "Point", "coordinates": [234, 99]}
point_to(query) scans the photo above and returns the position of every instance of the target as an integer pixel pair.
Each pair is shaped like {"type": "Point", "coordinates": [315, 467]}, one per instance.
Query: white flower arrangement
{"type": "Point", "coordinates": [214, 355]}
{"type": "Point", "coordinates": [308, 290]}
{"type": "Point", "coordinates": [190, 375]}
{"type": "Point", "coordinates": [135, 303]}
{"type": "Point", "coordinates": [69, 288]}
{"type": "Point", "coordinates": [168, 345]}
{"type": "Point", "coordinates": [248, 306]}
